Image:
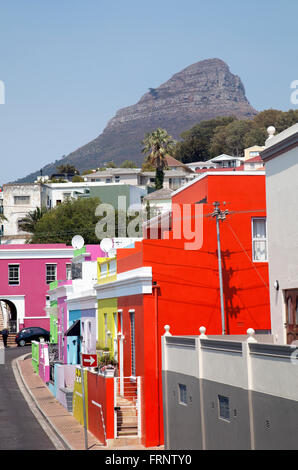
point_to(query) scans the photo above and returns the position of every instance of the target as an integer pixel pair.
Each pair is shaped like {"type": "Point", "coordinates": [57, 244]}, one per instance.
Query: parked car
{"type": "Point", "coordinates": [33, 333]}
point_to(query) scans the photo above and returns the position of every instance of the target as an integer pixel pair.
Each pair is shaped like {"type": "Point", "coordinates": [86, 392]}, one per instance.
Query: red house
{"type": "Point", "coordinates": [184, 285]}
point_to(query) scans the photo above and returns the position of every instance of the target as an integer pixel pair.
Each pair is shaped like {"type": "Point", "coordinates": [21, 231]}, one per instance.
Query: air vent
{"type": "Point", "coordinates": [267, 424]}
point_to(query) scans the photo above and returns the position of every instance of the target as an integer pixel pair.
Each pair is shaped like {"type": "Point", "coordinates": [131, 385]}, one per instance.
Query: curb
{"type": "Point", "coordinates": [54, 435]}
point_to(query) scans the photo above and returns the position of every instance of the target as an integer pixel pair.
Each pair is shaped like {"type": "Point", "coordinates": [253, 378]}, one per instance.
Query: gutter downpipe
{"type": "Point", "coordinates": [156, 287]}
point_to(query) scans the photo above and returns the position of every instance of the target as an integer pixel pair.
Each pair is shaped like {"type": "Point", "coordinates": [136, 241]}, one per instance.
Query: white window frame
{"type": "Point", "coordinates": [182, 394]}
{"type": "Point", "coordinates": [224, 409]}
{"type": "Point", "coordinates": [68, 271]}
{"type": "Point", "coordinates": [103, 270]}
{"type": "Point", "coordinates": [17, 283]}
{"type": "Point", "coordinates": [48, 265]}
{"type": "Point", "coordinates": [20, 199]}
{"type": "Point", "coordinates": [254, 240]}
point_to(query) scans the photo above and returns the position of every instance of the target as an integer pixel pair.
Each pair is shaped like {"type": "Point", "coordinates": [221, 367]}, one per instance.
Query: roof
{"type": "Point", "coordinates": [203, 170]}
{"type": "Point", "coordinates": [163, 193]}
{"type": "Point", "coordinates": [223, 157]}
{"type": "Point", "coordinates": [172, 162]}
{"type": "Point", "coordinates": [113, 172]}
{"type": "Point", "coordinates": [200, 163]}
{"type": "Point", "coordinates": [168, 173]}
{"type": "Point", "coordinates": [280, 143]}
{"type": "Point", "coordinates": [219, 173]}
{"type": "Point", "coordinates": [254, 160]}
{"type": "Point", "coordinates": [74, 329]}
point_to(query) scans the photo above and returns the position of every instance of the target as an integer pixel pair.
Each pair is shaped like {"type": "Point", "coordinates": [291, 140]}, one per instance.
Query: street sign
{"type": "Point", "coordinates": [89, 360]}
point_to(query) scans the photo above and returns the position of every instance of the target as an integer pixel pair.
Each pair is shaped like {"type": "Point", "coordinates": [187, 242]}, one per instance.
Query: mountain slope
{"type": "Point", "coordinates": [201, 91]}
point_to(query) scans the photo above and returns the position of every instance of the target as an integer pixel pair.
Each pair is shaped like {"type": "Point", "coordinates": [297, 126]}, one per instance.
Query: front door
{"type": "Point", "coordinates": [292, 315]}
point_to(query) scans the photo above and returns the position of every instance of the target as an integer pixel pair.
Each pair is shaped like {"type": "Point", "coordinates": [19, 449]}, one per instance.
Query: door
{"type": "Point", "coordinates": [292, 315]}
{"type": "Point", "coordinates": [120, 355]}
{"type": "Point", "coordinates": [115, 335]}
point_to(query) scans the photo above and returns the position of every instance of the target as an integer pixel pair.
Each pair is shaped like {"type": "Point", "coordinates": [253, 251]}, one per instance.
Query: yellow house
{"type": "Point", "coordinates": [107, 307]}
{"type": "Point", "coordinates": [252, 152]}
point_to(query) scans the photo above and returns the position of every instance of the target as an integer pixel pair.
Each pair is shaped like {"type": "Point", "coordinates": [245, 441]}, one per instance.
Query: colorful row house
{"type": "Point", "coordinates": [171, 277]}
{"type": "Point", "coordinates": [26, 272]}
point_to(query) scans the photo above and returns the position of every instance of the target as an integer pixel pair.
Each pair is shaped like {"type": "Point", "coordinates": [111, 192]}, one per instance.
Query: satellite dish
{"type": "Point", "coordinates": [106, 245]}
{"type": "Point", "coordinates": [77, 242]}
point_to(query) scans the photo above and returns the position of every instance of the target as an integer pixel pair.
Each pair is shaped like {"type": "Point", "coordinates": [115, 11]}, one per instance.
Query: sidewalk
{"type": "Point", "coordinates": [58, 419]}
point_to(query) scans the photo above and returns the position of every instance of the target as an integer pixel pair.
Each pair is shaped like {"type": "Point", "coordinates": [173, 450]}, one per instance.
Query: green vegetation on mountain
{"type": "Point", "coordinates": [230, 135]}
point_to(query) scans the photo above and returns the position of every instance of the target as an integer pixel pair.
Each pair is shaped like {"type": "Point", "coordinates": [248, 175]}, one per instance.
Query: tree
{"type": "Point", "coordinates": [111, 165]}
{"type": "Point", "coordinates": [67, 169]}
{"type": "Point", "coordinates": [72, 217]}
{"type": "Point", "coordinates": [28, 224]}
{"type": "Point", "coordinates": [157, 144]}
{"type": "Point", "coordinates": [230, 139]}
{"type": "Point", "coordinates": [128, 164]}
{"type": "Point", "coordinates": [75, 217]}
{"type": "Point", "coordinates": [77, 179]}
{"type": "Point", "coordinates": [195, 145]}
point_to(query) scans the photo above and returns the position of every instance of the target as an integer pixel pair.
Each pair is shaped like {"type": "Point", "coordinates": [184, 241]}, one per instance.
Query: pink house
{"type": "Point", "coordinates": [25, 274]}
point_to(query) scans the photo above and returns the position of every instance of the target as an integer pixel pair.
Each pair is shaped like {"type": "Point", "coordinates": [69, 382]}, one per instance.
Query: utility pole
{"type": "Point", "coordinates": [84, 404]}
{"type": "Point", "coordinates": [220, 215]}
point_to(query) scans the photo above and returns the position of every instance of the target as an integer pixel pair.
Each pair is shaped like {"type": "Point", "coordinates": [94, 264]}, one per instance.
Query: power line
{"type": "Point", "coordinates": [242, 247]}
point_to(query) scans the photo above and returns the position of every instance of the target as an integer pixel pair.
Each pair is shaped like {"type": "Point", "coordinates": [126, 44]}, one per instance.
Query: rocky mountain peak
{"type": "Point", "coordinates": [201, 91]}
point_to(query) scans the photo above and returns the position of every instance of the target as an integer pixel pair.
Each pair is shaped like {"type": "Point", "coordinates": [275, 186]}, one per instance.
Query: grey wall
{"type": "Point", "coordinates": [259, 380]}
{"type": "Point", "coordinates": [183, 421]}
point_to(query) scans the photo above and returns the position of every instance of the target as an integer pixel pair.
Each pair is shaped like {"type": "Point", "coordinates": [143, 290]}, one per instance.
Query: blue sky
{"type": "Point", "coordinates": [69, 65]}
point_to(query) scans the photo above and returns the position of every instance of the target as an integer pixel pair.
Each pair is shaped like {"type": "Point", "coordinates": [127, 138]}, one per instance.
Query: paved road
{"type": "Point", "coordinates": [19, 429]}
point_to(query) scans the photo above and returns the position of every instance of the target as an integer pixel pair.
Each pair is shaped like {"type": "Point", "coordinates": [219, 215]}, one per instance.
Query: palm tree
{"type": "Point", "coordinates": [29, 222]}
{"type": "Point", "coordinates": [157, 144]}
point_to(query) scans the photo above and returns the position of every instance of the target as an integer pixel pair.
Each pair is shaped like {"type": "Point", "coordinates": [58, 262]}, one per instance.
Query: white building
{"type": "Point", "coordinates": [281, 158]}
{"type": "Point", "coordinates": [175, 177]}
{"type": "Point", "coordinates": [18, 200]}
{"type": "Point", "coordinates": [159, 201]}
{"type": "Point", "coordinates": [221, 161]}
{"type": "Point", "coordinates": [115, 175]}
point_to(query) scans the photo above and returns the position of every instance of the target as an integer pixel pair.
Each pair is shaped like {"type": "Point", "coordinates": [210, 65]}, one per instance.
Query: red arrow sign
{"type": "Point", "coordinates": [89, 360]}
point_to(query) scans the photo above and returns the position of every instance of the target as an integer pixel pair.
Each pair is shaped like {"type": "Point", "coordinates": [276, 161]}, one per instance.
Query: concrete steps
{"type": "Point", "coordinates": [127, 419]}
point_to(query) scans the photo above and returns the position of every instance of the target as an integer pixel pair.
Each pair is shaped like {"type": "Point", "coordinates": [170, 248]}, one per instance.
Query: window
{"type": "Point", "coordinates": [117, 179]}
{"type": "Point", "coordinates": [224, 407]}
{"type": "Point", "coordinates": [66, 196]}
{"type": "Point", "coordinates": [254, 154]}
{"type": "Point", "coordinates": [21, 200]}
{"type": "Point", "coordinates": [68, 271]}
{"type": "Point", "coordinates": [108, 180]}
{"type": "Point", "coordinates": [133, 344]}
{"type": "Point", "coordinates": [103, 270]}
{"type": "Point", "coordinates": [112, 267]}
{"type": "Point", "coordinates": [51, 273]}
{"type": "Point", "coordinates": [58, 202]}
{"type": "Point", "coordinates": [20, 222]}
{"type": "Point", "coordinates": [182, 394]}
{"type": "Point", "coordinates": [13, 274]}
{"type": "Point", "coordinates": [259, 239]}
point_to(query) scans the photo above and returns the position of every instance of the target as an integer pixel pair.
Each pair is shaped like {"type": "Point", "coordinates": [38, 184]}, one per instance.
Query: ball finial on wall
{"type": "Point", "coordinates": [271, 131]}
